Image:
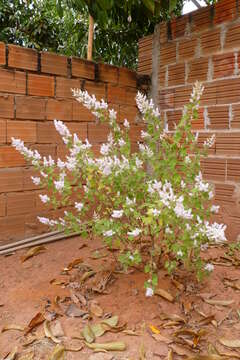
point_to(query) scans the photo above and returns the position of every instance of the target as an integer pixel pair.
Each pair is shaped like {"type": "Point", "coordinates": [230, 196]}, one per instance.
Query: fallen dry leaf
{"type": "Point", "coordinates": [12, 327]}
{"type": "Point", "coordinates": [74, 311]}
{"type": "Point", "coordinates": [142, 352]}
{"type": "Point", "coordinates": [87, 275]}
{"type": "Point", "coordinates": [131, 332]}
{"type": "Point", "coordinates": [164, 294]}
{"type": "Point", "coordinates": [38, 319]}
{"type": "Point", "coordinates": [173, 317]}
{"type": "Point", "coordinates": [95, 309]}
{"type": "Point", "coordinates": [58, 282]}
{"type": "Point", "coordinates": [88, 334]}
{"type": "Point", "coordinates": [110, 346]}
{"type": "Point", "coordinates": [207, 357]}
{"type": "Point", "coordinates": [33, 252]}
{"type": "Point", "coordinates": [112, 321]}
{"type": "Point", "coordinates": [161, 338]}
{"type": "Point", "coordinates": [49, 334]}
{"type": "Point", "coordinates": [73, 264]}
{"type": "Point", "coordinates": [28, 356]}
{"type": "Point", "coordinates": [58, 353]}
{"type": "Point", "coordinates": [230, 343]}
{"type": "Point", "coordinates": [170, 355]}
{"type": "Point", "coordinates": [219, 302]}
{"type": "Point", "coordinates": [12, 354]}
{"type": "Point", "coordinates": [154, 329]}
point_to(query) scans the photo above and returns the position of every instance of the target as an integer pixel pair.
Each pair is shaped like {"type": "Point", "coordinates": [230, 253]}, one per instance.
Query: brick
{"type": "Point", "coordinates": [162, 76]}
{"type": "Point", "coordinates": [20, 203]}
{"type": "Point", "coordinates": [224, 193]}
{"type": "Point", "coordinates": [135, 132]}
{"type": "Point", "coordinates": [198, 70]}
{"type": "Point", "coordinates": [107, 73]}
{"type": "Point", "coordinates": [59, 109]}
{"type": "Point", "coordinates": [168, 53]}
{"type": "Point", "coordinates": [30, 108]}
{"type": "Point", "coordinates": [187, 49]}
{"type": "Point", "coordinates": [6, 106]}
{"type": "Point", "coordinates": [22, 58]}
{"type": "Point", "coordinates": [54, 64]}
{"type": "Point", "coordinates": [235, 121]}
{"type": "Point", "coordinates": [166, 99]}
{"type": "Point", "coordinates": [128, 112]}
{"type": "Point", "coordinates": [46, 149]}
{"type": "Point", "coordinates": [121, 95]}
{"type": "Point", "coordinates": [127, 77]}
{"type": "Point", "coordinates": [64, 87]}
{"type": "Point", "coordinates": [47, 134]}
{"type": "Point", "coordinates": [176, 74]}
{"type": "Point", "coordinates": [210, 42]}
{"type": "Point", "coordinates": [225, 11]}
{"type": "Point", "coordinates": [232, 40]}
{"type": "Point", "coordinates": [83, 68]}
{"type": "Point", "coordinates": [24, 130]}
{"type": "Point", "coordinates": [233, 169]}
{"type": "Point", "coordinates": [3, 131]}
{"type": "Point", "coordinates": [201, 19]}
{"type": "Point", "coordinates": [97, 133]}
{"type": "Point", "coordinates": [182, 96]}
{"type": "Point", "coordinates": [2, 205]}
{"type": "Point", "coordinates": [11, 180]}
{"type": "Point", "coordinates": [96, 88]}
{"type": "Point", "coordinates": [80, 113]}
{"type": "Point", "coordinates": [145, 53]}
{"type": "Point", "coordinates": [27, 181]}
{"type": "Point", "coordinates": [203, 136]}
{"type": "Point", "coordinates": [228, 91]}
{"type": "Point", "coordinates": [178, 26]}
{"type": "Point", "coordinates": [12, 81]}
{"type": "Point", "coordinates": [173, 118]}
{"type": "Point", "coordinates": [40, 85]}
{"type": "Point", "coordinates": [219, 117]}
{"type": "Point", "coordinates": [9, 157]}
{"type": "Point", "coordinates": [228, 143]}
{"type": "Point", "coordinates": [2, 53]}
{"type": "Point", "coordinates": [12, 227]}
{"type": "Point", "coordinates": [214, 169]}
{"type": "Point", "coordinates": [209, 96]}
{"type": "Point", "coordinates": [223, 65]}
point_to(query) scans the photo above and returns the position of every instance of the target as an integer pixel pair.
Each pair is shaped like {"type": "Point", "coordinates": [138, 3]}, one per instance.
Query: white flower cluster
{"type": "Point", "coordinates": [32, 155]}
{"type": "Point", "coordinates": [145, 106]}
{"type": "Point", "coordinates": [91, 103]}
{"type": "Point", "coordinates": [63, 131]}
{"type": "Point", "coordinates": [210, 141]}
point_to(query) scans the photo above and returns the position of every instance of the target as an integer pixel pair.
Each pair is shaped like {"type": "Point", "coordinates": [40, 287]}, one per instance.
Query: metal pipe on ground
{"type": "Point", "coordinates": [38, 241]}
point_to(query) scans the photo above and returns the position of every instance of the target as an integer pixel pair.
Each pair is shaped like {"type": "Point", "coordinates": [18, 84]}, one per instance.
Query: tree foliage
{"type": "Point", "coordinates": [62, 25]}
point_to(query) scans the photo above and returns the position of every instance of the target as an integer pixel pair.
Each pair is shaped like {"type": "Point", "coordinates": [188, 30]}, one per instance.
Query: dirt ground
{"type": "Point", "coordinates": [193, 323]}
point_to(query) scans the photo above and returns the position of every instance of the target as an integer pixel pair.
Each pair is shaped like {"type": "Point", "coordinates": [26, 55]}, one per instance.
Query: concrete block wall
{"type": "Point", "coordinates": [35, 89]}
{"type": "Point", "coordinates": [203, 45]}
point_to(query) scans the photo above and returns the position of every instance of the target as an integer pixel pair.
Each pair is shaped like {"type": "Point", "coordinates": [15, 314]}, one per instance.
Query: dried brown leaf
{"type": "Point", "coordinates": [58, 353]}
{"type": "Point", "coordinates": [207, 357]}
{"type": "Point", "coordinates": [230, 343]}
{"type": "Point", "coordinates": [161, 338]}
{"type": "Point", "coordinates": [38, 319]}
{"type": "Point", "coordinates": [219, 302]}
{"type": "Point", "coordinates": [170, 355]}
{"type": "Point", "coordinates": [95, 309]}
{"type": "Point", "coordinates": [164, 294]}
{"type": "Point", "coordinates": [12, 354]}
{"type": "Point", "coordinates": [110, 346]}
{"type": "Point", "coordinates": [74, 311]}
{"type": "Point", "coordinates": [88, 334]}
{"type": "Point", "coordinates": [87, 275]}
{"type": "Point", "coordinates": [33, 252]}
{"type": "Point", "coordinates": [73, 264]}
{"type": "Point", "coordinates": [49, 334]}
{"type": "Point", "coordinates": [12, 327]}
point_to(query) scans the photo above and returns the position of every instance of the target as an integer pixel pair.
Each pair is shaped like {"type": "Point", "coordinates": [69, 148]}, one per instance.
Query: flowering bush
{"type": "Point", "coordinates": [148, 204]}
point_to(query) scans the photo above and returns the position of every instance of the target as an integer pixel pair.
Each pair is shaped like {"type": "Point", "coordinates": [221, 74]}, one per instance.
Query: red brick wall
{"type": "Point", "coordinates": [203, 45]}
{"type": "Point", "coordinates": [35, 88]}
